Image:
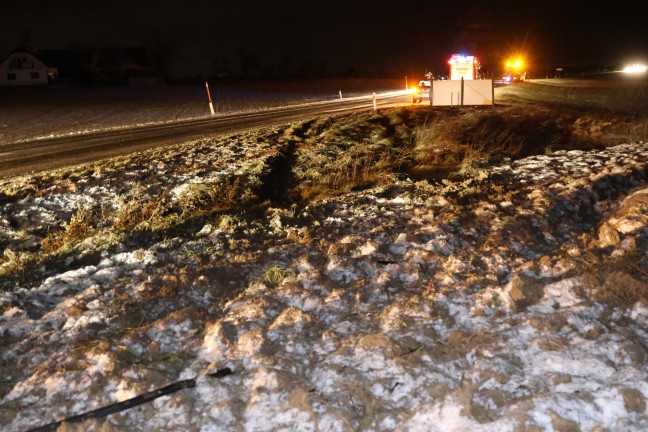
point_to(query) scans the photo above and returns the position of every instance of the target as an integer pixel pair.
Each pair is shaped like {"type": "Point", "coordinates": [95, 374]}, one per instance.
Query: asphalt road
{"type": "Point", "coordinates": [47, 154]}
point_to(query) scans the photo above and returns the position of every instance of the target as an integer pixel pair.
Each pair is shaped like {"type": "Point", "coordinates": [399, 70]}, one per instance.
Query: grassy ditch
{"type": "Point", "coordinates": [305, 162]}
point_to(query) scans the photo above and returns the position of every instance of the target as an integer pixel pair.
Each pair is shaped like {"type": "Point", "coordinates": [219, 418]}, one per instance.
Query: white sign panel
{"type": "Point", "coordinates": [478, 92]}
{"type": "Point", "coordinates": [449, 93]}
{"type": "Point", "coordinates": [446, 93]}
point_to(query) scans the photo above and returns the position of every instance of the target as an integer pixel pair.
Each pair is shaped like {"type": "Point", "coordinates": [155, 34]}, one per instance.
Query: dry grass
{"type": "Point", "coordinates": [274, 276]}
{"type": "Point", "coordinates": [206, 199]}
{"type": "Point", "coordinates": [162, 212]}
{"type": "Point", "coordinates": [137, 216]}
{"type": "Point", "coordinates": [81, 226]}
{"type": "Point", "coordinates": [355, 169]}
{"type": "Point", "coordinates": [17, 267]}
{"type": "Point", "coordinates": [350, 155]}
{"type": "Point", "coordinates": [149, 215]}
{"type": "Point", "coordinates": [470, 138]}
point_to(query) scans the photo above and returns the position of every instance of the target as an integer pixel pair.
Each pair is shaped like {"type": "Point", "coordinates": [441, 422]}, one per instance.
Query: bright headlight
{"type": "Point", "coordinates": [635, 68]}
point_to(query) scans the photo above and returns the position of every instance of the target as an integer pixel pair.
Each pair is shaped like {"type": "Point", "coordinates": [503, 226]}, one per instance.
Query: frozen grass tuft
{"type": "Point", "coordinates": [274, 276]}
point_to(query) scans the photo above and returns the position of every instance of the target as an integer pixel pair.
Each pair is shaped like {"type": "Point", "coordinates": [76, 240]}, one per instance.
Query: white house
{"type": "Point", "coordinates": [23, 68]}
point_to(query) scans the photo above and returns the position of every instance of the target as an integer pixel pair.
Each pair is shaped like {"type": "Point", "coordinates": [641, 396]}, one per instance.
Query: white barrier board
{"type": "Point", "coordinates": [446, 93]}
{"type": "Point", "coordinates": [478, 92]}
{"type": "Point", "coordinates": [475, 92]}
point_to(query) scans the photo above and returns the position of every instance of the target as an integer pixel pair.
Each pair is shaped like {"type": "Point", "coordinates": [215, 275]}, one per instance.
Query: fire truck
{"type": "Point", "coordinates": [466, 67]}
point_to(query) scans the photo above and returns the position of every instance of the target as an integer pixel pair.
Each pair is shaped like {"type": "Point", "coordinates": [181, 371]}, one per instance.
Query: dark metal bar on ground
{"type": "Point", "coordinates": [130, 403]}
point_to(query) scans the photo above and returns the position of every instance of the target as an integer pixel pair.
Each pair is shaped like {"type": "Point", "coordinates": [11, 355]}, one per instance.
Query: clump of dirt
{"type": "Point", "coordinates": [526, 290]}
{"type": "Point", "coordinates": [620, 281]}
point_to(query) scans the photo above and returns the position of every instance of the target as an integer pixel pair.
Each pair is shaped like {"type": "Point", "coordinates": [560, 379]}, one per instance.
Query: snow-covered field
{"type": "Point", "coordinates": [484, 303]}
{"type": "Point", "coordinates": [27, 113]}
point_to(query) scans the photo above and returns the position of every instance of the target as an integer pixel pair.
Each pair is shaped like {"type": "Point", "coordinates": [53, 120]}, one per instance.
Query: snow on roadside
{"type": "Point", "coordinates": [423, 307]}
{"type": "Point", "coordinates": [119, 108]}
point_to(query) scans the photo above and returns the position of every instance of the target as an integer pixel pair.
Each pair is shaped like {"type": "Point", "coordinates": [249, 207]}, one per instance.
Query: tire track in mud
{"type": "Point", "coordinates": [280, 179]}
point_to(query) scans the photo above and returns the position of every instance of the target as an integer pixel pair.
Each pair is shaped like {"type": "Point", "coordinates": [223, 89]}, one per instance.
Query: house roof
{"type": "Point", "coordinates": [25, 48]}
{"type": "Point", "coordinates": [87, 58]}
{"type": "Point", "coordinates": [87, 65]}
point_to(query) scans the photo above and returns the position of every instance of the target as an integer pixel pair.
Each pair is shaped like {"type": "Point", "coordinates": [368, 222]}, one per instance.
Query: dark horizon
{"type": "Point", "coordinates": [200, 37]}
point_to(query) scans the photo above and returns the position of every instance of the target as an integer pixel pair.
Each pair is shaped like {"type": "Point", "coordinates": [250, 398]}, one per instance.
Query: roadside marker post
{"type": "Point", "coordinates": [374, 101]}
{"type": "Point", "coordinates": [431, 97]}
{"type": "Point", "coordinates": [211, 105]}
{"type": "Point", "coordinates": [340, 94]}
{"type": "Point", "coordinates": [461, 94]}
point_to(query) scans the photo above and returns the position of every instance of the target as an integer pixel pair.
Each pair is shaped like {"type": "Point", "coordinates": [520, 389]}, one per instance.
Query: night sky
{"type": "Point", "coordinates": [335, 36]}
